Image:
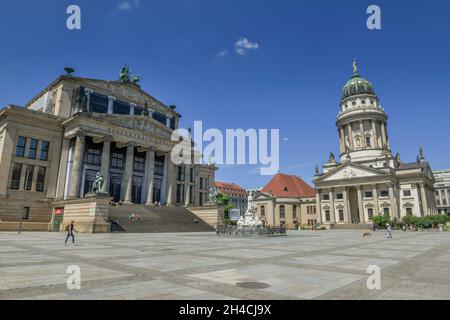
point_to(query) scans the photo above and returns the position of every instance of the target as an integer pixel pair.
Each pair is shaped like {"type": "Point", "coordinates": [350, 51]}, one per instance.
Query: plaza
{"type": "Point", "coordinates": [198, 266]}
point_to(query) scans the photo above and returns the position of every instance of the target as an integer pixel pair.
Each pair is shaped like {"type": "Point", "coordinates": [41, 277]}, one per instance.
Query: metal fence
{"type": "Point", "coordinates": [230, 230]}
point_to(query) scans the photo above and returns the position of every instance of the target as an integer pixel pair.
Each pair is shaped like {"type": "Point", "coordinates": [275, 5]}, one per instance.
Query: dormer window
{"type": "Point", "coordinates": [285, 189]}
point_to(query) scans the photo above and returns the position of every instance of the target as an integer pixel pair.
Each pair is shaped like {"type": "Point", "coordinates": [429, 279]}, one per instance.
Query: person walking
{"type": "Point", "coordinates": [389, 230]}
{"type": "Point", "coordinates": [70, 229]}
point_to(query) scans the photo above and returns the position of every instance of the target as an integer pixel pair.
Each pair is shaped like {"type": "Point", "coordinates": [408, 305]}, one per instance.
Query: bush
{"type": "Point", "coordinates": [381, 221]}
{"type": "Point", "coordinates": [427, 222]}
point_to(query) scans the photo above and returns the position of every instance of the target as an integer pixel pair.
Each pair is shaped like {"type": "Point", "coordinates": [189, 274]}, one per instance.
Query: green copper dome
{"type": "Point", "coordinates": [357, 85]}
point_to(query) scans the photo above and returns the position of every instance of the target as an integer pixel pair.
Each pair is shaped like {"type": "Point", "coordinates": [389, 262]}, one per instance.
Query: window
{"type": "Point", "coordinates": [44, 150]}
{"type": "Point", "coordinates": [409, 211]}
{"type": "Point", "coordinates": [370, 213]}
{"type": "Point", "coordinates": [368, 142]}
{"type": "Point", "coordinates": [40, 182]}
{"type": "Point", "coordinates": [180, 192]}
{"type": "Point", "coordinates": [294, 211]}
{"type": "Point", "coordinates": [384, 193]}
{"type": "Point", "coordinates": [33, 149]}
{"type": "Point", "coordinates": [15, 179]}
{"type": "Point", "coordinates": [327, 215]}
{"type": "Point", "coordinates": [93, 154]}
{"type": "Point", "coordinates": [121, 108]}
{"type": "Point", "coordinates": [326, 197]}
{"type": "Point", "coordinates": [89, 179]}
{"type": "Point", "coordinates": [117, 160]}
{"type": "Point", "coordinates": [263, 211]}
{"type": "Point", "coordinates": [368, 194]}
{"type": "Point", "coordinates": [20, 148]}
{"type": "Point", "coordinates": [407, 193]}
{"type": "Point", "coordinates": [341, 215]}
{"type": "Point", "coordinates": [99, 103]}
{"type": "Point", "coordinates": [181, 173]}
{"type": "Point", "coordinates": [386, 212]}
{"type": "Point", "coordinates": [139, 162]}
{"type": "Point", "coordinates": [159, 165]}
{"type": "Point", "coordinates": [339, 196]}
{"type": "Point", "coordinates": [28, 178]}
{"type": "Point", "coordinates": [282, 212]}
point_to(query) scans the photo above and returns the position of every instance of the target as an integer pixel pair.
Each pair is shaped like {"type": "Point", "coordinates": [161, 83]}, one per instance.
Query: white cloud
{"type": "Point", "coordinates": [243, 45]}
{"type": "Point", "coordinates": [223, 53]}
{"type": "Point", "coordinates": [128, 4]}
{"type": "Point", "coordinates": [285, 139]}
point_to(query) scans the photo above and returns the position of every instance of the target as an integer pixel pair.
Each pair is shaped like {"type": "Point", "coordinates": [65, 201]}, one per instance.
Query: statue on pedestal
{"type": "Point", "coordinates": [99, 181]}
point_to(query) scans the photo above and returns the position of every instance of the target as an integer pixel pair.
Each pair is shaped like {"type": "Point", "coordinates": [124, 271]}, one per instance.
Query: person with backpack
{"type": "Point", "coordinates": [389, 230]}
{"type": "Point", "coordinates": [70, 229]}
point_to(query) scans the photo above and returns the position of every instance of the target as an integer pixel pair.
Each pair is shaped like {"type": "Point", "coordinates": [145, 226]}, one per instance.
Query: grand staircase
{"type": "Point", "coordinates": [156, 219]}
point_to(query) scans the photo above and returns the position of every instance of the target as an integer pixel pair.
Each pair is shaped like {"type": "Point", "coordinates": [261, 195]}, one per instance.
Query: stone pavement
{"type": "Point", "coordinates": [303, 265]}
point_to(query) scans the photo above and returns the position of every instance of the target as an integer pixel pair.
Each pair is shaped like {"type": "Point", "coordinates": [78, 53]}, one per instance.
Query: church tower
{"type": "Point", "coordinates": [362, 125]}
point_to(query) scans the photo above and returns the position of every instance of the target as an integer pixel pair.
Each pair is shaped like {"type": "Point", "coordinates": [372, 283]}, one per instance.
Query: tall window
{"type": "Point", "coordinates": [191, 175]}
{"type": "Point", "coordinates": [294, 211]}
{"type": "Point", "coordinates": [386, 212]}
{"type": "Point", "coordinates": [341, 215]}
{"type": "Point", "coordinates": [139, 162]}
{"type": "Point", "coordinates": [282, 212]}
{"type": "Point", "coordinates": [409, 211]}
{"type": "Point", "coordinates": [20, 148]}
{"type": "Point", "coordinates": [117, 158]}
{"type": "Point", "coordinates": [121, 107]}
{"type": "Point", "coordinates": [33, 149]}
{"type": "Point", "coordinates": [327, 215]}
{"type": "Point", "coordinates": [15, 179]}
{"type": "Point", "coordinates": [370, 213]}
{"type": "Point", "coordinates": [40, 182]}
{"type": "Point", "coordinates": [44, 150]}
{"type": "Point", "coordinates": [180, 192]}
{"type": "Point", "coordinates": [93, 154]}
{"type": "Point", "coordinates": [159, 165]}
{"type": "Point", "coordinates": [181, 173]}
{"type": "Point", "coordinates": [28, 178]}
{"type": "Point", "coordinates": [368, 142]}
{"type": "Point", "coordinates": [99, 103]}
{"type": "Point", "coordinates": [263, 211]}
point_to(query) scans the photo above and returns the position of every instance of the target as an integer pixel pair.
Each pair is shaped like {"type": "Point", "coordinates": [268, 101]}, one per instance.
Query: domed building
{"type": "Point", "coordinates": [367, 179]}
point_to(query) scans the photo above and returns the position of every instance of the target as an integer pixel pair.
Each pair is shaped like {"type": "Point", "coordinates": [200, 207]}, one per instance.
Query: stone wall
{"type": "Point", "coordinates": [211, 214]}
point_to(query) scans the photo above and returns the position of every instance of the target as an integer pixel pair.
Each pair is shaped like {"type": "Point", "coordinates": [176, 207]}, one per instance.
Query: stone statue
{"type": "Point", "coordinates": [98, 183]}
{"type": "Point", "coordinates": [125, 76]}
{"type": "Point", "coordinates": [332, 157]}
{"type": "Point", "coordinates": [421, 157]}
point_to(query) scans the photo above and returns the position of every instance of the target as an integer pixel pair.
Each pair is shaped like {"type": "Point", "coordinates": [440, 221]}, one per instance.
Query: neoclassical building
{"type": "Point", "coordinates": [52, 149]}
{"type": "Point", "coordinates": [287, 201]}
{"type": "Point", "coordinates": [368, 179]}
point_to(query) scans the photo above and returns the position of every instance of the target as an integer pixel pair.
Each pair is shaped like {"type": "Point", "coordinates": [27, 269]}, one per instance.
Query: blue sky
{"type": "Point", "coordinates": [290, 80]}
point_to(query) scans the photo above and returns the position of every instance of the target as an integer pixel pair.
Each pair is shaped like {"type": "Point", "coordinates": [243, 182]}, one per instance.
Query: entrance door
{"type": "Point", "coordinates": [136, 190]}
{"type": "Point", "coordinates": [115, 185]}
{"type": "Point", "coordinates": [157, 190]}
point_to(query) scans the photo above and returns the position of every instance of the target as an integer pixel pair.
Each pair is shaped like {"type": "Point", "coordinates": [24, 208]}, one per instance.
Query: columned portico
{"type": "Point", "coordinates": [170, 180]}
{"type": "Point", "coordinates": [105, 162]}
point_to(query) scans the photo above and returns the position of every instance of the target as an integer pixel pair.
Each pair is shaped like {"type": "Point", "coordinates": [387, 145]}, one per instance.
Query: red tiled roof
{"type": "Point", "coordinates": [218, 184]}
{"type": "Point", "coordinates": [283, 185]}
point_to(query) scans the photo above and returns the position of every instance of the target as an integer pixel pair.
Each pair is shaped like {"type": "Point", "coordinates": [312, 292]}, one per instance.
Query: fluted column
{"type": "Point", "coordinates": [129, 173]}
{"type": "Point", "coordinates": [350, 136]}
{"type": "Point", "coordinates": [77, 165]}
{"type": "Point", "coordinates": [346, 206]}
{"type": "Point", "coordinates": [383, 135]}
{"type": "Point", "coordinates": [363, 138]}
{"type": "Point", "coordinates": [332, 209]}
{"type": "Point", "coordinates": [342, 135]}
{"type": "Point", "coordinates": [394, 212]}
{"type": "Point", "coordinates": [318, 208]}
{"type": "Point", "coordinates": [105, 162]}
{"type": "Point", "coordinates": [187, 185]}
{"type": "Point", "coordinates": [170, 181]}
{"type": "Point", "coordinates": [374, 135]}
{"type": "Point", "coordinates": [375, 200]}
{"type": "Point", "coordinates": [150, 175]}
{"type": "Point", "coordinates": [360, 205]}
{"type": "Point", "coordinates": [6, 154]}
{"type": "Point", "coordinates": [424, 199]}
{"type": "Point", "coordinates": [132, 109]}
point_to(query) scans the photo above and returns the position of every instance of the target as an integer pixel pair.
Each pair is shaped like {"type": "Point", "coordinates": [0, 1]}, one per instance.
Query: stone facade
{"type": "Point", "coordinates": [369, 180]}
{"type": "Point", "coordinates": [51, 150]}
{"type": "Point", "coordinates": [237, 195]}
{"type": "Point", "coordinates": [442, 192]}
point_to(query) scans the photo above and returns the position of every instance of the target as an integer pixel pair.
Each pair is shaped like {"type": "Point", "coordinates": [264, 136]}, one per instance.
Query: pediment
{"type": "Point", "coordinates": [348, 171]}
{"type": "Point", "coordinates": [262, 196]}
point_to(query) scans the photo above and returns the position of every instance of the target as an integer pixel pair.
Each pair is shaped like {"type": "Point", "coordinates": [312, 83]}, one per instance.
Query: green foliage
{"type": "Point", "coordinates": [381, 221]}
{"type": "Point", "coordinates": [222, 199]}
{"type": "Point", "coordinates": [426, 222]}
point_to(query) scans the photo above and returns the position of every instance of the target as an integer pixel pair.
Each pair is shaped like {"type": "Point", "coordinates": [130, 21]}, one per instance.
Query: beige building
{"type": "Point", "coordinates": [442, 192]}
{"type": "Point", "coordinates": [286, 201]}
{"type": "Point", "coordinates": [52, 149]}
{"type": "Point", "coordinates": [368, 180]}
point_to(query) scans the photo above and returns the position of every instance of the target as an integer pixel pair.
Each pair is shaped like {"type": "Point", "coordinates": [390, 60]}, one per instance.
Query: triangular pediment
{"type": "Point", "coordinates": [262, 196]}
{"type": "Point", "coordinates": [350, 170]}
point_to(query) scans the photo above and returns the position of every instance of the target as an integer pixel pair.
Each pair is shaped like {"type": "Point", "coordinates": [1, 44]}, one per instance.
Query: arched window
{"type": "Point", "coordinates": [294, 211]}
{"type": "Point", "coordinates": [263, 211]}
{"type": "Point", "coordinates": [282, 212]}
{"type": "Point", "coordinates": [368, 142]}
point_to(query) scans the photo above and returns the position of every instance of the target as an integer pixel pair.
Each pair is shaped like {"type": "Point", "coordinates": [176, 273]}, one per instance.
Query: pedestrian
{"type": "Point", "coordinates": [70, 229]}
{"type": "Point", "coordinates": [389, 230]}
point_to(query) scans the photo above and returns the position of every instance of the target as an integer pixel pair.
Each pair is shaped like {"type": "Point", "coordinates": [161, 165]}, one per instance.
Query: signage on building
{"type": "Point", "coordinates": [234, 214]}
{"type": "Point", "coordinates": [59, 211]}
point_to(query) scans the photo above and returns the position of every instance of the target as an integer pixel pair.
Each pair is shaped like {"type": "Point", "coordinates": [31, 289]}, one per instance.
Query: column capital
{"type": "Point", "coordinates": [88, 91]}
{"type": "Point", "coordinates": [111, 98]}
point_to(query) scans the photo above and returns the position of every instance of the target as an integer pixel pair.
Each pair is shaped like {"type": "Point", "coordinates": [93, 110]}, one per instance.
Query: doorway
{"type": "Point", "coordinates": [157, 190]}
{"type": "Point", "coordinates": [115, 185]}
{"type": "Point", "coordinates": [353, 207]}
